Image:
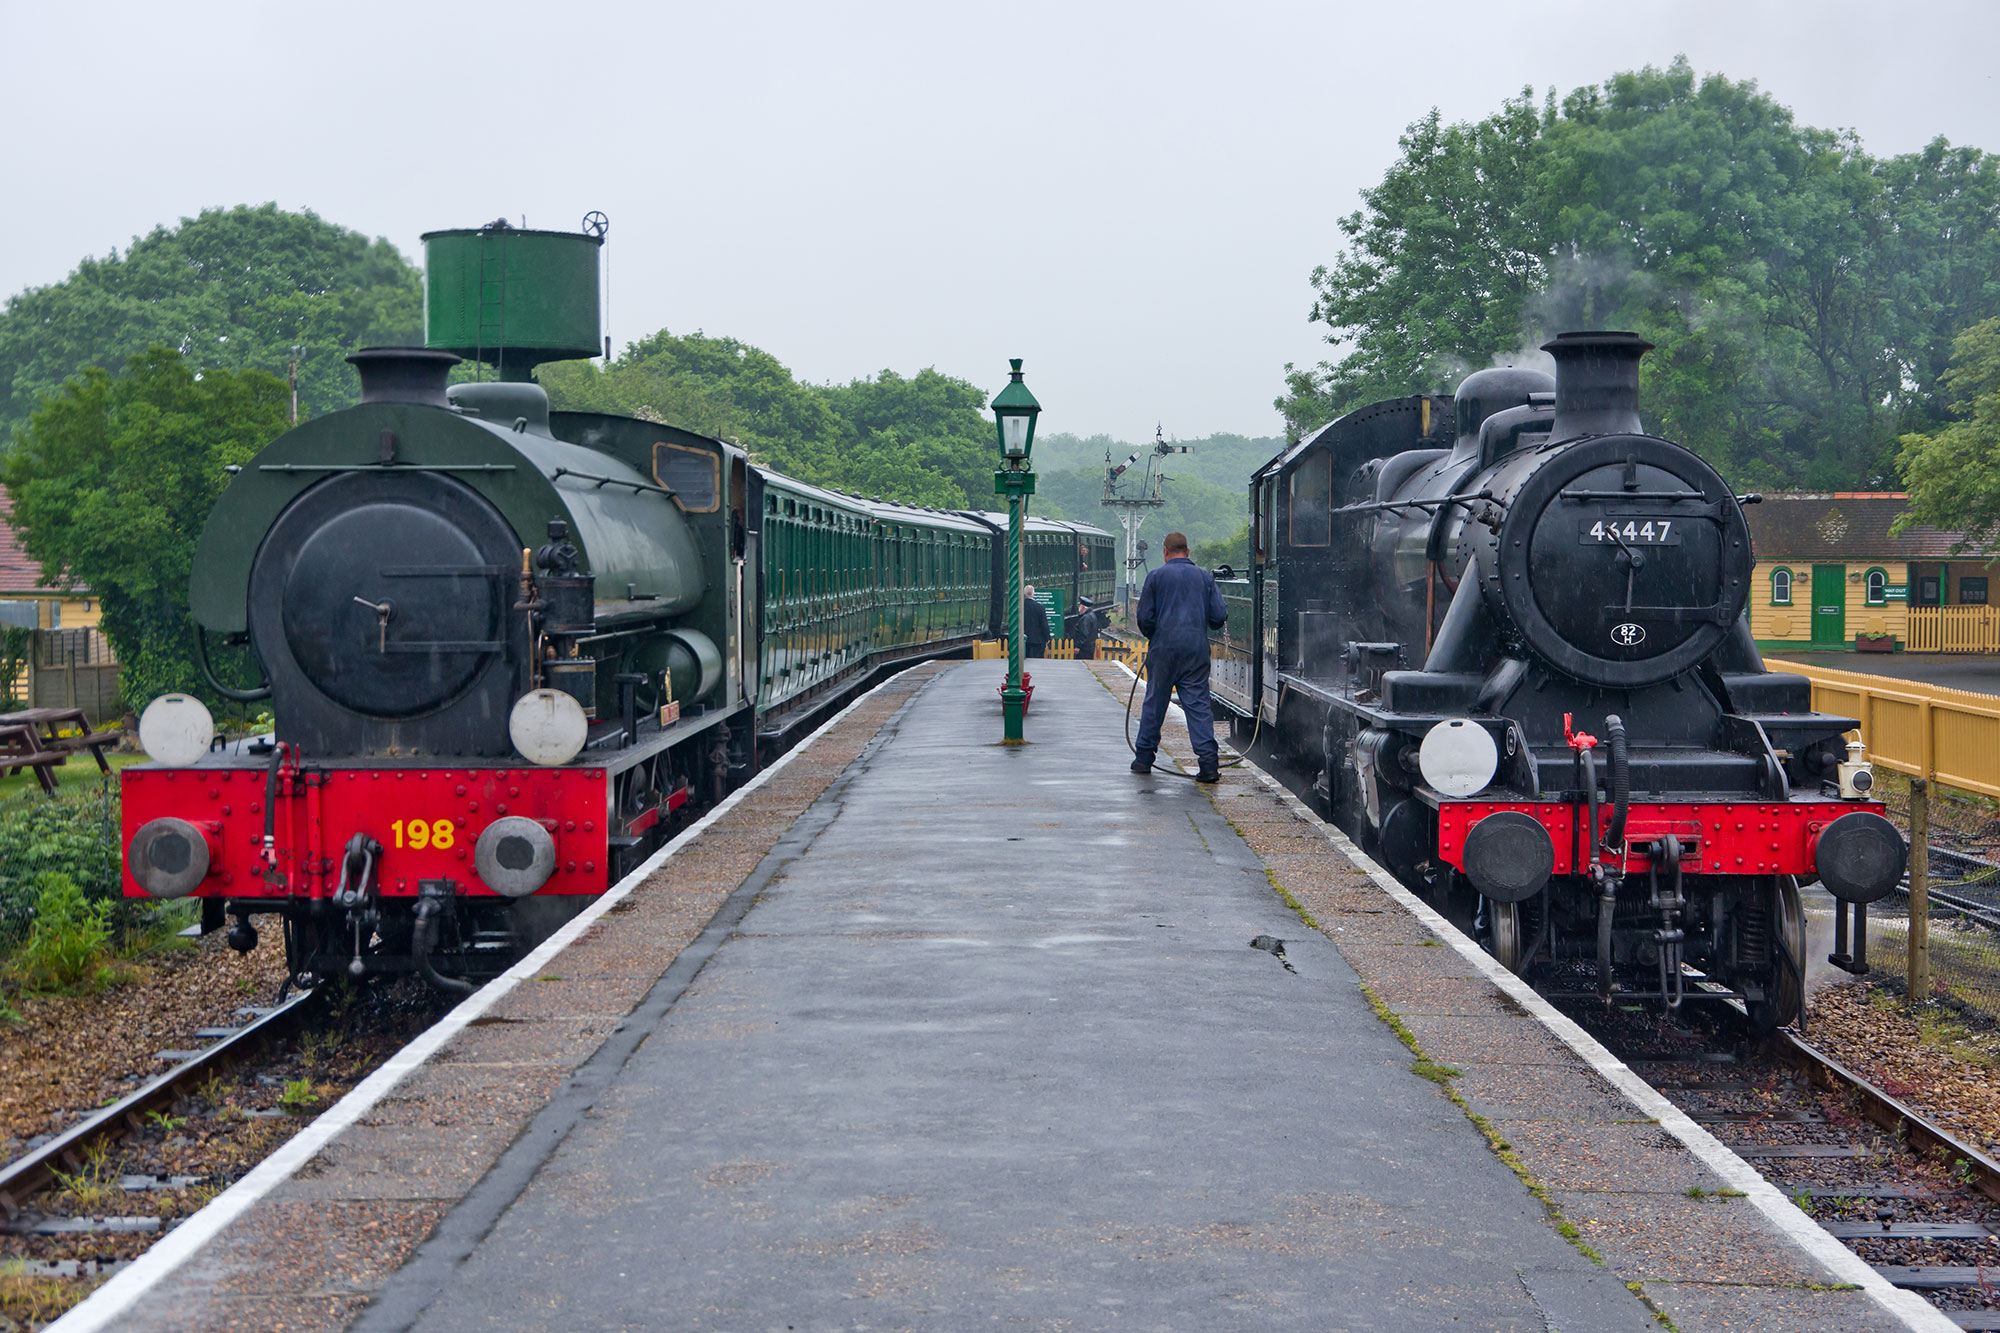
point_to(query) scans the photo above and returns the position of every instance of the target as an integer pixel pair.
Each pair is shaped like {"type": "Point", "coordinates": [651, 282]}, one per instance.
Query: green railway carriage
{"type": "Point", "coordinates": [846, 580]}
{"type": "Point", "coordinates": [1073, 560]}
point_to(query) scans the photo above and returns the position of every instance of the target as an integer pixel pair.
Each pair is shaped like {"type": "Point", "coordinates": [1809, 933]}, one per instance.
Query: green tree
{"type": "Point", "coordinates": [1442, 260]}
{"type": "Point", "coordinates": [716, 386]}
{"type": "Point", "coordinates": [112, 480]}
{"type": "Point", "coordinates": [1233, 551]}
{"type": "Point", "coordinates": [234, 288]}
{"type": "Point", "coordinates": [1953, 474]}
{"type": "Point", "coordinates": [922, 439]}
{"type": "Point", "coordinates": [1802, 295]}
{"type": "Point", "coordinates": [934, 426]}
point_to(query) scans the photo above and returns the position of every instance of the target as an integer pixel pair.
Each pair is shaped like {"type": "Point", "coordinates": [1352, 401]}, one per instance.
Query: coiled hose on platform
{"type": "Point", "coordinates": [1237, 762]}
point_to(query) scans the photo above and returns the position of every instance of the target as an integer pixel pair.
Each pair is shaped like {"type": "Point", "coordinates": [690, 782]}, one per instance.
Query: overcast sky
{"type": "Point", "coordinates": [1131, 196]}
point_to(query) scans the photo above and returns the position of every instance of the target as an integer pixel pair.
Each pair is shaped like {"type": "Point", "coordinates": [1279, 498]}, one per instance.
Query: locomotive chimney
{"type": "Point", "coordinates": [403, 374]}
{"type": "Point", "coordinates": [1597, 383]}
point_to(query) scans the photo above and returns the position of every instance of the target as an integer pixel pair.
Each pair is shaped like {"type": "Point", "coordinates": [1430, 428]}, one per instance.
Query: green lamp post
{"type": "Point", "coordinates": [1014, 413]}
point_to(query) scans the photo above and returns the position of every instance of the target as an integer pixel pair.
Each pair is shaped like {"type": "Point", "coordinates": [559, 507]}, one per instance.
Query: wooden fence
{"type": "Point", "coordinates": [1926, 731]}
{"type": "Point", "coordinates": [1953, 629]}
{"type": "Point", "coordinates": [68, 668]}
{"type": "Point", "coordinates": [1064, 650]}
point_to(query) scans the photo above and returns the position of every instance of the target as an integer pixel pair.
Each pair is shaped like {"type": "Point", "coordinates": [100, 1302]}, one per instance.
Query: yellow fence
{"type": "Point", "coordinates": [1954, 629]}
{"type": "Point", "coordinates": [1928, 731]}
{"type": "Point", "coordinates": [1064, 650]}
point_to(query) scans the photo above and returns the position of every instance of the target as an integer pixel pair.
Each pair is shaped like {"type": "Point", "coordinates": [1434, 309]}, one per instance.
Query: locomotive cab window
{"type": "Point", "coordinates": [693, 475]}
{"type": "Point", "coordinates": [1312, 501]}
{"type": "Point", "coordinates": [1781, 587]}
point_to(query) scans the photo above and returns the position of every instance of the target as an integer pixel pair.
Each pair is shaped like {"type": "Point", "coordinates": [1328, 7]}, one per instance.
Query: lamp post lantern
{"type": "Point", "coordinates": [1014, 413]}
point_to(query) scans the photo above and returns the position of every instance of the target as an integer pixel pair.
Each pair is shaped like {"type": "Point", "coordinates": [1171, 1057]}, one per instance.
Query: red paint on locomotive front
{"type": "Point", "coordinates": [320, 808]}
{"type": "Point", "coordinates": [1717, 838]}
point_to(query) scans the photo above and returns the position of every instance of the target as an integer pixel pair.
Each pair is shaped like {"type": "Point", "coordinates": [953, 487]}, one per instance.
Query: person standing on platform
{"type": "Point", "coordinates": [1085, 626]}
{"type": "Point", "coordinates": [1178, 606]}
{"type": "Point", "coordinates": [1034, 624]}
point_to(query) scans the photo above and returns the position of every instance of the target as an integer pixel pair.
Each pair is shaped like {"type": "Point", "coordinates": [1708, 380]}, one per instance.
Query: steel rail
{"type": "Point", "coordinates": [1906, 1123]}
{"type": "Point", "coordinates": [21, 1178]}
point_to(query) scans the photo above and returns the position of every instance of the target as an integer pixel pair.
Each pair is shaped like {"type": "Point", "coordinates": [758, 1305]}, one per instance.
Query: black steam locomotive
{"type": "Point", "coordinates": [1502, 637]}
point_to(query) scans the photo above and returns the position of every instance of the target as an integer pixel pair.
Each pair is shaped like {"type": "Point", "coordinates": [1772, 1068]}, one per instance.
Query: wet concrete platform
{"type": "Point", "coordinates": [1977, 672]}
{"type": "Point", "coordinates": [929, 1033]}
{"type": "Point", "coordinates": [993, 1046]}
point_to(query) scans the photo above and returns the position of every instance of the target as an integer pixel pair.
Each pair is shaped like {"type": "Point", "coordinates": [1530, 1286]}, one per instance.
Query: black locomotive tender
{"type": "Point", "coordinates": [1451, 599]}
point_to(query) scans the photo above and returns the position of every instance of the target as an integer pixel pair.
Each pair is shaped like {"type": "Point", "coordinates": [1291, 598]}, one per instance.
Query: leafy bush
{"type": "Point", "coordinates": [74, 835]}
{"type": "Point", "coordinates": [69, 941]}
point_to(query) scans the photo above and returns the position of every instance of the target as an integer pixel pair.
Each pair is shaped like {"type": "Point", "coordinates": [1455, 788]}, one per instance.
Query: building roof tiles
{"type": "Point", "coordinates": [1847, 526]}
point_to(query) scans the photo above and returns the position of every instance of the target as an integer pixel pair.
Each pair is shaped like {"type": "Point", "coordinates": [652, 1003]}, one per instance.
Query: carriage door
{"type": "Point", "coordinates": [1829, 605]}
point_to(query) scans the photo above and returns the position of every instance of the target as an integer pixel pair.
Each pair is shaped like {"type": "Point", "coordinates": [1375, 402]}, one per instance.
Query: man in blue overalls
{"type": "Point", "coordinates": [1178, 606]}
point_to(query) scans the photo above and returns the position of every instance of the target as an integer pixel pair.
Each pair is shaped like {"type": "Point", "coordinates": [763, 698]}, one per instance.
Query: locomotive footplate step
{"type": "Point", "coordinates": [992, 1043]}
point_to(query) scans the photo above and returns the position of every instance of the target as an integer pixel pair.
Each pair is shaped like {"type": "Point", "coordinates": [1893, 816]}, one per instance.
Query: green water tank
{"type": "Point", "coordinates": [511, 297]}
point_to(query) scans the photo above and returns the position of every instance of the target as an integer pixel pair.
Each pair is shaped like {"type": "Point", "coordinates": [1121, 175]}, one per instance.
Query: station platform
{"type": "Point", "coordinates": [932, 1033]}
{"type": "Point", "coordinates": [1977, 672]}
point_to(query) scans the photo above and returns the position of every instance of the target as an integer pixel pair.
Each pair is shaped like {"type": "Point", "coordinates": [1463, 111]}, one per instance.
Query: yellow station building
{"type": "Point", "coordinates": [1831, 574]}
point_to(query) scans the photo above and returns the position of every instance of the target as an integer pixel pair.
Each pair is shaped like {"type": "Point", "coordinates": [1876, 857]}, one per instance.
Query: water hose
{"type": "Point", "coordinates": [1237, 762]}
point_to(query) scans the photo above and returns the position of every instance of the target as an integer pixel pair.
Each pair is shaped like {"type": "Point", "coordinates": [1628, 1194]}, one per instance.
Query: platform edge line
{"type": "Point", "coordinates": [1808, 1235]}
{"type": "Point", "coordinates": [124, 1288]}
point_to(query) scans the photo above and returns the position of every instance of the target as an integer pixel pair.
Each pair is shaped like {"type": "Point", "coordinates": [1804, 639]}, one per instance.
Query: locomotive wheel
{"type": "Point", "coordinates": [1787, 995]}
{"type": "Point", "coordinates": [1506, 922]}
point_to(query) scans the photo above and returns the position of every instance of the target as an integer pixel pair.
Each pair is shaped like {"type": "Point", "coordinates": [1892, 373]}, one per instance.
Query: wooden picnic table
{"type": "Point", "coordinates": [47, 722]}
{"type": "Point", "coordinates": [21, 747]}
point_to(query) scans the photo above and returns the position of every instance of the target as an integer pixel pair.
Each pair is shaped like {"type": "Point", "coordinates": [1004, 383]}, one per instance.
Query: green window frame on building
{"type": "Point", "coordinates": [1875, 584]}
{"type": "Point", "coordinates": [1781, 586]}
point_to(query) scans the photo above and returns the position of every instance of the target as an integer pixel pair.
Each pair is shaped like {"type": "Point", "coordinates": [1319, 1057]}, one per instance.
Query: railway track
{"type": "Point", "coordinates": [87, 1202]}
{"type": "Point", "coordinates": [69, 1151]}
{"type": "Point", "coordinates": [1911, 1199]}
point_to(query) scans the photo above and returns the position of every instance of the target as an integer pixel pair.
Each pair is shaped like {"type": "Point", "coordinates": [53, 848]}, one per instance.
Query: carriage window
{"type": "Point", "coordinates": [1781, 587]}
{"type": "Point", "coordinates": [1878, 586]}
{"type": "Point", "coordinates": [1312, 501]}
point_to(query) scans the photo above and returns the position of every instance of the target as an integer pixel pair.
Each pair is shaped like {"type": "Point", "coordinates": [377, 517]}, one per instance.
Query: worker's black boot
{"type": "Point", "coordinates": [1208, 772]}
{"type": "Point", "coordinates": [1142, 763]}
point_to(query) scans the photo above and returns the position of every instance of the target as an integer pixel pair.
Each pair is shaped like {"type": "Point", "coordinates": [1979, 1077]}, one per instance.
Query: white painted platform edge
{"type": "Point", "coordinates": [103, 1307]}
{"type": "Point", "coordinates": [1844, 1264]}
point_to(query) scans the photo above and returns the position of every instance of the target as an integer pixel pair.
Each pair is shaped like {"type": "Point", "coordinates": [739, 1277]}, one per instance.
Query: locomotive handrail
{"type": "Point", "coordinates": [1631, 495]}
{"type": "Point", "coordinates": [1439, 503]}
{"type": "Point", "coordinates": [602, 482]}
{"type": "Point", "coordinates": [249, 696]}
{"type": "Point", "coordinates": [385, 467]}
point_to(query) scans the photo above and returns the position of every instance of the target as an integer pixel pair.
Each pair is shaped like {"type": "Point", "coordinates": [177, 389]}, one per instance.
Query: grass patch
{"type": "Point", "coordinates": [1289, 901]}
{"type": "Point", "coordinates": [1661, 1315]}
{"type": "Point", "coordinates": [30, 1302]}
{"type": "Point", "coordinates": [93, 1188]}
{"type": "Point", "coordinates": [299, 1096]}
{"type": "Point", "coordinates": [79, 770]}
